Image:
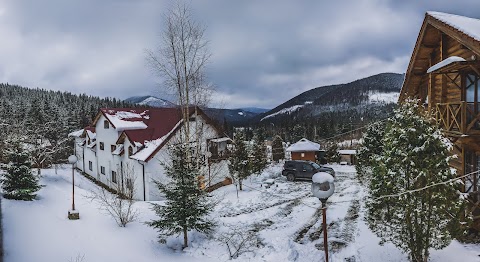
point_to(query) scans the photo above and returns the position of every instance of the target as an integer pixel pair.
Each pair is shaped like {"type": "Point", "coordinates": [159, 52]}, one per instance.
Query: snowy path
{"type": "Point", "coordinates": [284, 221]}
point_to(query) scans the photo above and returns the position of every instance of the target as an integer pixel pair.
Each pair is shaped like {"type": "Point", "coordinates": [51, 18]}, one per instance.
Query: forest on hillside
{"type": "Point", "coordinates": [42, 119]}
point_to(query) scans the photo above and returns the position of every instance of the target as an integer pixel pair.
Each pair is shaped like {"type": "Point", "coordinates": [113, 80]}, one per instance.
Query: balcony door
{"type": "Point", "coordinates": [472, 97]}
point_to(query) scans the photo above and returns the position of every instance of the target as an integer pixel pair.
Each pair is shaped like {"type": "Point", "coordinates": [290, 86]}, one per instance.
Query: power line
{"type": "Point", "coordinates": [353, 130]}
{"type": "Point", "coordinates": [381, 197]}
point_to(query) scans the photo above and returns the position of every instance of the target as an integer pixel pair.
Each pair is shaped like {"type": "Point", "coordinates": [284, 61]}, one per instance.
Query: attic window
{"type": "Point", "coordinates": [130, 151]}
{"type": "Point", "coordinates": [191, 119]}
{"type": "Point", "coordinates": [106, 124]}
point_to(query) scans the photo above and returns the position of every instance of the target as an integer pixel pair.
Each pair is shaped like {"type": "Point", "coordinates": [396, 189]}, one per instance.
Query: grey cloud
{"type": "Point", "coordinates": [263, 52]}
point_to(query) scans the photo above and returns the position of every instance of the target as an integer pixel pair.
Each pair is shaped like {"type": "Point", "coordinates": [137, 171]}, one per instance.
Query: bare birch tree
{"type": "Point", "coordinates": [180, 61]}
{"type": "Point", "coordinates": [119, 205]}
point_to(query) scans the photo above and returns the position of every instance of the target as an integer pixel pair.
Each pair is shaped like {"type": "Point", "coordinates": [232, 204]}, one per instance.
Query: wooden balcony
{"type": "Point", "coordinates": [458, 118]}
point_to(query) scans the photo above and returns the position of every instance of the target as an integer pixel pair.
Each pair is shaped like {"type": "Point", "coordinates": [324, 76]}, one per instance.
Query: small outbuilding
{"type": "Point", "coordinates": [348, 156]}
{"type": "Point", "coordinates": [304, 149]}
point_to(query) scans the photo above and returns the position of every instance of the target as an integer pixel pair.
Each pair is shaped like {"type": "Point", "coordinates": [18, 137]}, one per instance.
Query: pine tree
{"type": "Point", "coordinates": [278, 152]}
{"type": "Point", "coordinates": [371, 149]}
{"type": "Point", "coordinates": [186, 207]}
{"type": "Point", "coordinates": [332, 155]}
{"type": "Point", "coordinates": [18, 182]}
{"type": "Point", "coordinates": [240, 165]}
{"type": "Point", "coordinates": [415, 155]}
{"type": "Point", "coordinates": [259, 154]}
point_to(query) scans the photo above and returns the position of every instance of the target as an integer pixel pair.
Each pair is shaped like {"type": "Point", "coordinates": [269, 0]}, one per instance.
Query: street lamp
{"type": "Point", "coordinates": [73, 214]}
{"type": "Point", "coordinates": [322, 188]}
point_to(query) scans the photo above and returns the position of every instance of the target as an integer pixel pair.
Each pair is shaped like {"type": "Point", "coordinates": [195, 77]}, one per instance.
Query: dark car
{"type": "Point", "coordinates": [300, 169]}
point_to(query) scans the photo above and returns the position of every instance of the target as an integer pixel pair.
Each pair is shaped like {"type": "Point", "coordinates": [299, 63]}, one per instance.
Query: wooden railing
{"type": "Point", "coordinates": [458, 118]}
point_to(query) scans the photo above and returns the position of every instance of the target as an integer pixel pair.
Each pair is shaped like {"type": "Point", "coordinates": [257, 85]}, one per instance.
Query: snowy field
{"type": "Point", "coordinates": [282, 223]}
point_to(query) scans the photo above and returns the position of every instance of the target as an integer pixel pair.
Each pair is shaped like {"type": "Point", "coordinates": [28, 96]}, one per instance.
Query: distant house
{"type": "Point", "coordinates": [135, 140]}
{"type": "Point", "coordinates": [304, 149]}
{"type": "Point", "coordinates": [348, 156]}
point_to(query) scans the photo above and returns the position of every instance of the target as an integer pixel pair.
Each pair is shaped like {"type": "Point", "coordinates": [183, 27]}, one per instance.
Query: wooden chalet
{"type": "Point", "coordinates": [304, 149]}
{"type": "Point", "coordinates": [444, 73]}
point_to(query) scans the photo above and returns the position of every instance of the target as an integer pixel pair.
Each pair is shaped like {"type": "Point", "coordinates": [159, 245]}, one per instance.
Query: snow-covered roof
{"type": "Point", "coordinates": [150, 147]}
{"type": "Point", "coordinates": [445, 63]}
{"type": "Point", "coordinates": [118, 150]}
{"type": "Point", "coordinates": [77, 133]}
{"type": "Point", "coordinates": [347, 152]}
{"type": "Point", "coordinates": [91, 134]}
{"type": "Point", "coordinates": [127, 120]}
{"type": "Point", "coordinates": [303, 145]}
{"type": "Point", "coordinates": [467, 25]}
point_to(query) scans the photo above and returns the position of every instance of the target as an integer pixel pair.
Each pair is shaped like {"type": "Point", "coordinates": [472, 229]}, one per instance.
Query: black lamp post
{"type": "Point", "coordinates": [323, 187]}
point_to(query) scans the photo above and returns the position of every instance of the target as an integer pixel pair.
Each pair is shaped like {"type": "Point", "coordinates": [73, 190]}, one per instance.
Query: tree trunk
{"type": "Point", "coordinates": [185, 237]}
{"type": "Point", "coordinates": [240, 184]}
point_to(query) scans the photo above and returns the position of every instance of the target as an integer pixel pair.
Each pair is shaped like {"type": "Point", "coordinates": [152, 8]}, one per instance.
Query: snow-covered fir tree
{"type": "Point", "coordinates": [414, 158]}
{"type": "Point", "coordinates": [18, 182]}
{"type": "Point", "coordinates": [187, 206]}
{"type": "Point", "coordinates": [278, 152]}
{"type": "Point", "coordinates": [370, 149]}
{"type": "Point", "coordinates": [239, 163]}
{"type": "Point", "coordinates": [259, 154]}
{"type": "Point", "coordinates": [331, 154]}
{"type": "Point", "coordinates": [44, 118]}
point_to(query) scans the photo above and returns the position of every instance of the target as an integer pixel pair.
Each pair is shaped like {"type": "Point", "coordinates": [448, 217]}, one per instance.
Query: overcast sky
{"type": "Point", "coordinates": [263, 52]}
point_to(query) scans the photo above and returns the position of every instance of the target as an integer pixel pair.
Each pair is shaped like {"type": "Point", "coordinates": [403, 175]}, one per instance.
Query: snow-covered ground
{"type": "Point", "coordinates": [282, 221]}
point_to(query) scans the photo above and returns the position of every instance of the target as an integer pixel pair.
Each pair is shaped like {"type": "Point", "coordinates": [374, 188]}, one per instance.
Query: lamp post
{"type": "Point", "coordinates": [323, 187]}
{"type": "Point", "coordinates": [73, 214]}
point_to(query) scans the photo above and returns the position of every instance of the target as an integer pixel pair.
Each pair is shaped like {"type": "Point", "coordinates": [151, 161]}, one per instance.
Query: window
{"type": "Point", "coordinates": [102, 170]}
{"type": "Point", "coordinates": [307, 167]}
{"type": "Point", "coordinates": [302, 154]}
{"type": "Point", "coordinates": [106, 124]}
{"type": "Point", "coordinates": [90, 165]}
{"type": "Point", "coordinates": [101, 145]}
{"type": "Point", "coordinates": [114, 177]}
{"type": "Point", "coordinates": [112, 148]}
{"type": "Point", "coordinates": [130, 151]}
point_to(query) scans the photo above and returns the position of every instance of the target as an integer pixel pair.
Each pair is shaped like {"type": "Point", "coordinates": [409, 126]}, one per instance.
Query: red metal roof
{"type": "Point", "coordinates": [159, 121]}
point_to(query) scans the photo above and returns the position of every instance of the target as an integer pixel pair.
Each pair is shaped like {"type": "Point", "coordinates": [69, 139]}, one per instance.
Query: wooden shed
{"type": "Point", "coordinates": [348, 156]}
{"type": "Point", "coordinates": [304, 149]}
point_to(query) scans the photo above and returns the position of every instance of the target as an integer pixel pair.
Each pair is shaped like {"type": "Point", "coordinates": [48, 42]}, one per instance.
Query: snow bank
{"type": "Point", "coordinates": [377, 97]}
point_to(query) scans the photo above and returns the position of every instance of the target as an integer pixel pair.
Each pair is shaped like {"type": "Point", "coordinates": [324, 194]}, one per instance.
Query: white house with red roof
{"type": "Point", "coordinates": [133, 143]}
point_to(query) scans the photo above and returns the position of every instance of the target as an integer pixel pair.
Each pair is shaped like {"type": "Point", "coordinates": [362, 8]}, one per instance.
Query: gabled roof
{"type": "Point", "coordinates": [464, 30]}
{"type": "Point", "coordinates": [304, 145]}
{"type": "Point", "coordinates": [90, 131]}
{"type": "Point", "coordinates": [157, 126]}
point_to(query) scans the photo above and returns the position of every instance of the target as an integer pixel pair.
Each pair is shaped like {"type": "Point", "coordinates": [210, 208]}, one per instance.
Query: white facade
{"type": "Point", "coordinates": [106, 161]}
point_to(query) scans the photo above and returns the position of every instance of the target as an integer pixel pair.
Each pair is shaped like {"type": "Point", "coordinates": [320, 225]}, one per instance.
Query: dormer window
{"type": "Point", "coordinates": [106, 124]}
{"type": "Point", "coordinates": [130, 151]}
